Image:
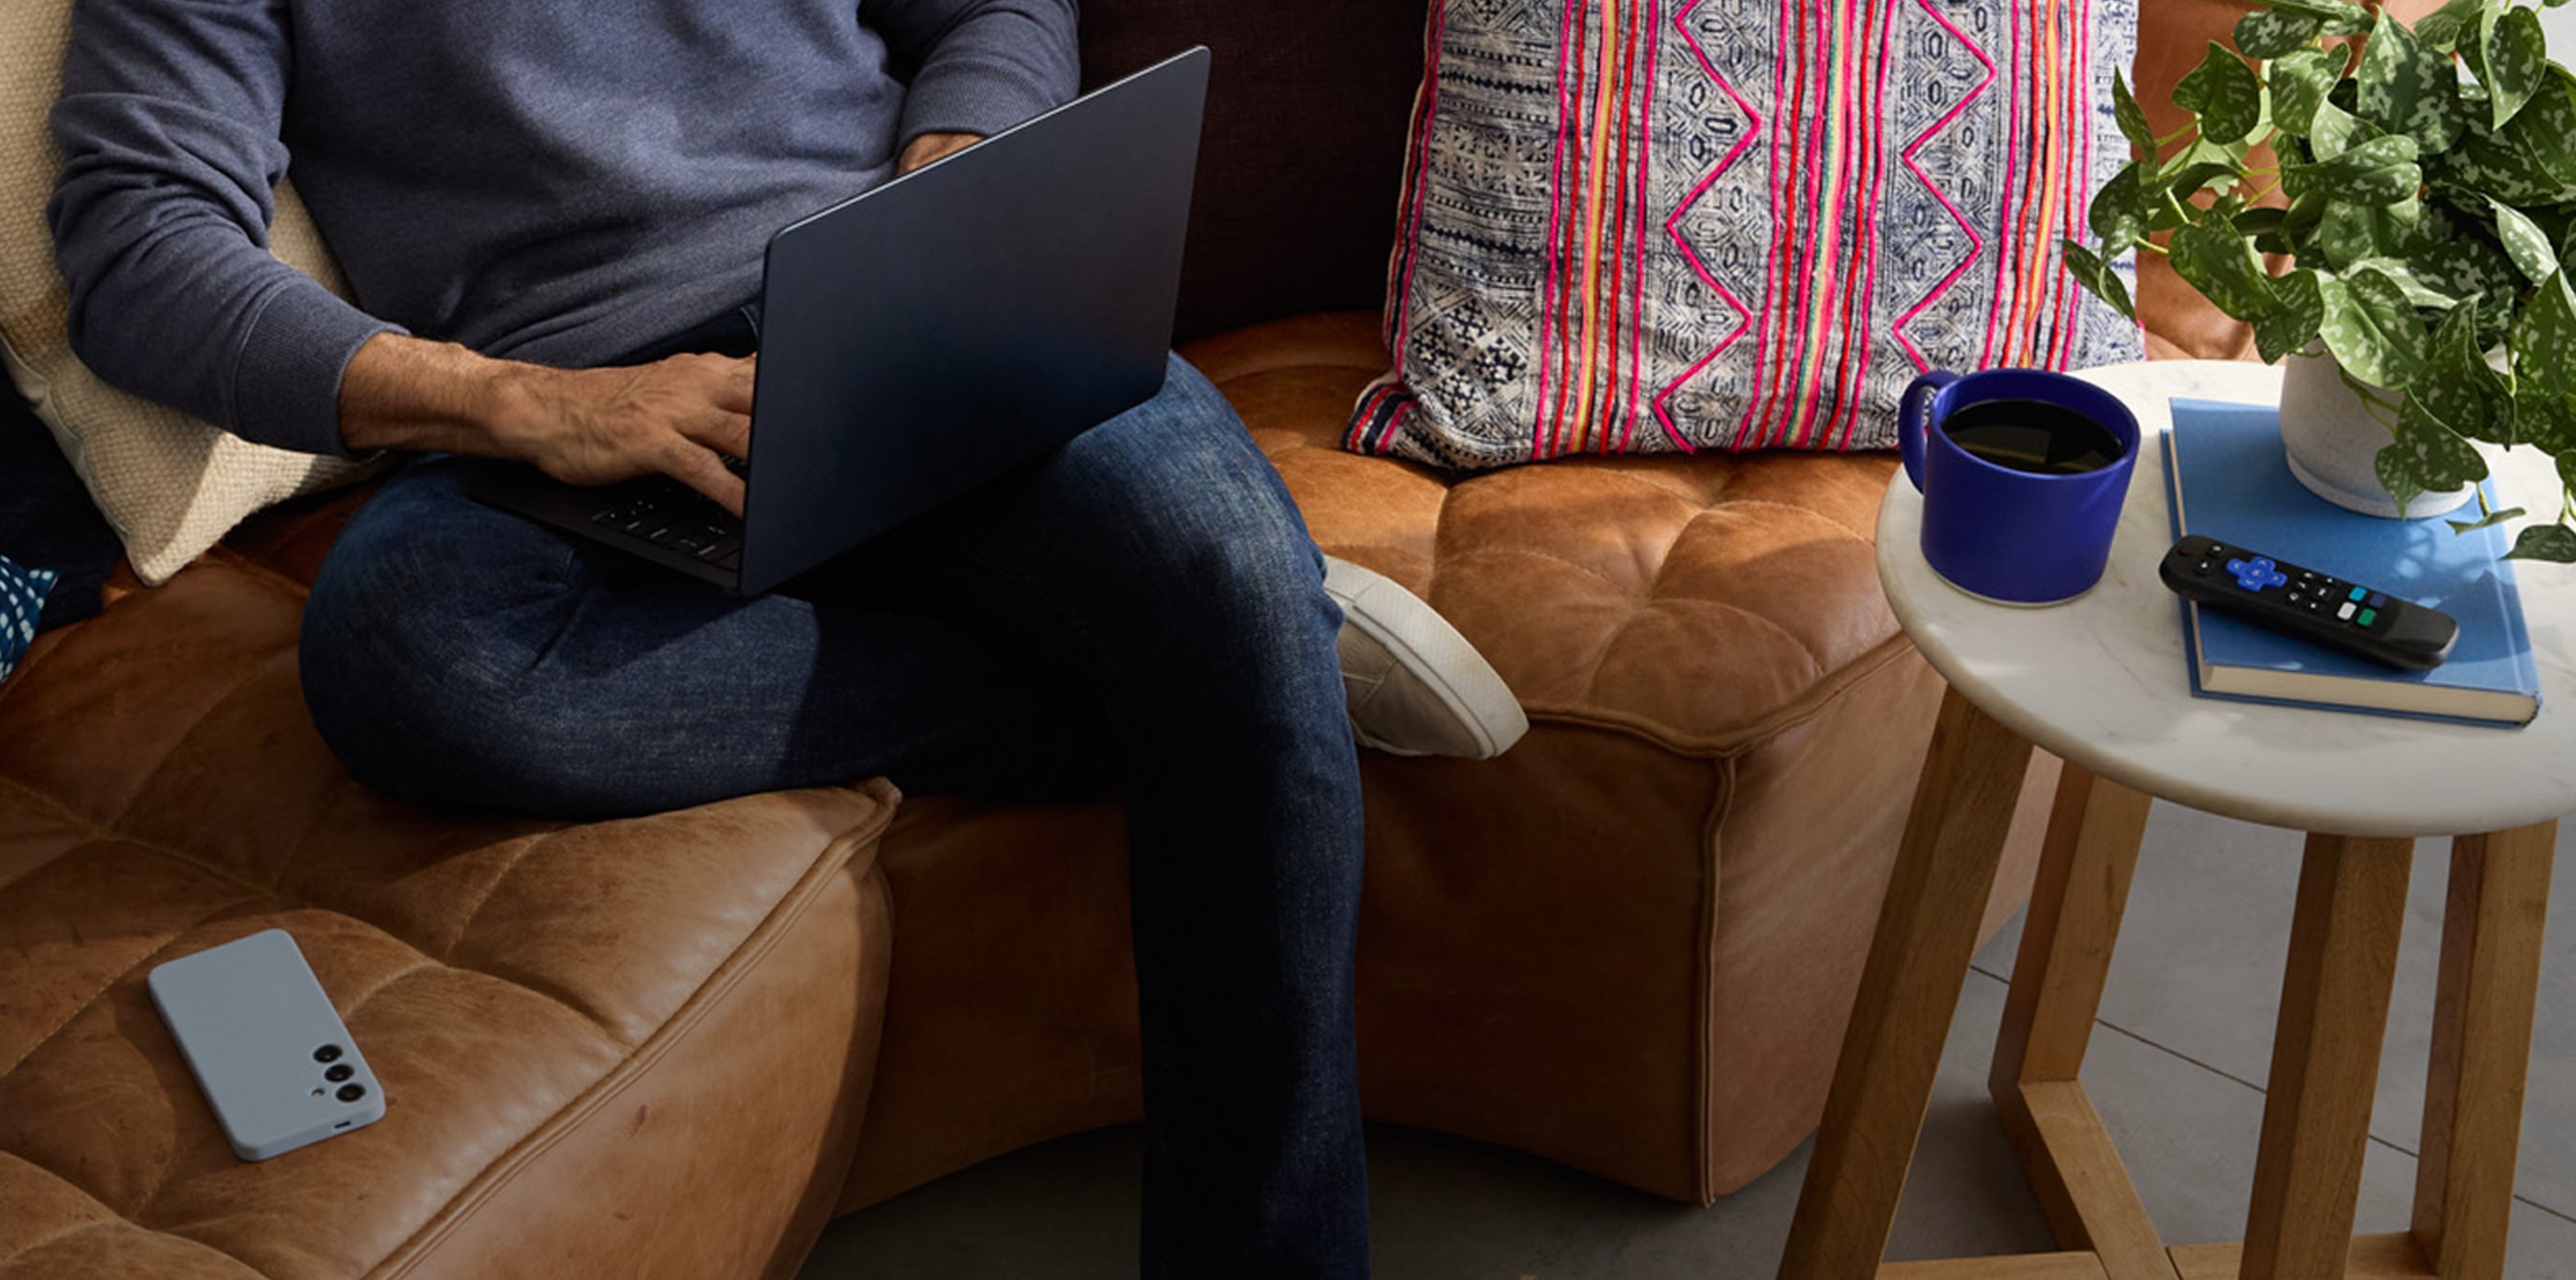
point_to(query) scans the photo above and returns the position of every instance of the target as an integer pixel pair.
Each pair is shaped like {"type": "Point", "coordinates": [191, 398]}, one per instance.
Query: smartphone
{"type": "Point", "coordinates": [265, 1044]}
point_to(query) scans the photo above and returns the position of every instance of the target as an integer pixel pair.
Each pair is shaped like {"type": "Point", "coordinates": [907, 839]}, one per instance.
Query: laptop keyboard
{"type": "Point", "coordinates": [676, 518]}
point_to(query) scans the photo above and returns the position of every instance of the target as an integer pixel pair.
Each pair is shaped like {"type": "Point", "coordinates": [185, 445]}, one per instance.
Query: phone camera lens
{"type": "Point", "coordinates": [352, 1092]}
{"type": "Point", "coordinates": [339, 1073]}
{"type": "Point", "coordinates": [327, 1053]}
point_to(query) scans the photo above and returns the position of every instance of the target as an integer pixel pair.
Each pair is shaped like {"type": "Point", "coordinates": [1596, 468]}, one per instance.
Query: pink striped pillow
{"type": "Point", "coordinates": [1657, 225]}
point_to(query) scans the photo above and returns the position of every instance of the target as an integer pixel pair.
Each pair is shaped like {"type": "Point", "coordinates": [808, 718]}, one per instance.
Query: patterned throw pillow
{"type": "Point", "coordinates": [1658, 225]}
{"type": "Point", "coordinates": [22, 601]}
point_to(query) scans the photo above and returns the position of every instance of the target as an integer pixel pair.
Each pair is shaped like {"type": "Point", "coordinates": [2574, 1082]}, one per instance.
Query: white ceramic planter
{"type": "Point", "coordinates": [2334, 440]}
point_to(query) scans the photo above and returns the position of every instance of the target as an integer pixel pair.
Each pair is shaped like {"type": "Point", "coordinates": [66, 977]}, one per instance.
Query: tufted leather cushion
{"type": "Point", "coordinates": [626, 1048]}
{"type": "Point", "coordinates": [1606, 591]}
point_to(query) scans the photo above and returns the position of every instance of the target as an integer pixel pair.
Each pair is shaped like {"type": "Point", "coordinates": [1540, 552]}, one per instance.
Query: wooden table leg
{"type": "Point", "coordinates": [1918, 961]}
{"type": "Point", "coordinates": [2482, 1012]}
{"type": "Point", "coordinates": [2325, 1057]}
{"type": "Point", "coordinates": [2066, 943]}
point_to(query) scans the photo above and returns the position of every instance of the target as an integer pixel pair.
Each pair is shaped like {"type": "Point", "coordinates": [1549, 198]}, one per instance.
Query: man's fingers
{"type": "Point", "coordinates": [702, 470]}
{"type": "Point", "coordinates": [726, 432]}
{"type": "Point", "coordinates": [733, 390]}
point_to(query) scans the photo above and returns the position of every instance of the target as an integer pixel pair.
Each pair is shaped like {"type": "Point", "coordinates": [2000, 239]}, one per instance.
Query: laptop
{"type": "Point", "coordinates": [918, 340]}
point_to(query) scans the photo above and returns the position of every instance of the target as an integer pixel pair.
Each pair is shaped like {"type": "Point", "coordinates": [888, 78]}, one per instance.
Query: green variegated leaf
{"type": "Point", "coordinates": [2269, 33]}
{"type": "Point", "coordinates": [2448, 256]}
{"type": "Point", "coordinates": [2428, 455]}
{"type": "Point", "coordinates": [2417, 292]}
{"type": "Point", "coordinates": [2296, 320]}
{"type": "Point", "coordinates": [2567, 471]}
{"type": "Point", "coordinates": [2516, 62]}
{"type": "Point", "coordinates": [2201, 152]}
{"type": "Point", "coordinates": [2487, 521]}
{"type": "Point", "coordinates": [2544, 339]}
{"type": "Point", "coordinates": [2403, 488]}
{"type": "Point", "coordinates": [2544, 421]}
{"type": "Point", "coordinates": [2132, 117]}
{"type": "Point", "coordinates": [2380, 171]}
{"type": "Point", "coordinates": [2212, 257]}
{"type": "Point", "coordinates": [2350, 233]}
{"type": "Point", "coordinates": [2446, 28]}
{"type": "Point", "coordinates": [2544, 130]}
{"type": "Point", "coordinates": [2121, 210]}
{"type": "Point", "coordinates": [2342, 17]}
{"type": "Point", "coordinates": [2409, 89]}
{"type": "Point", "coordinates": [2230, 98]}
{"type": "Point", "coordinates": [2555, 543]}
{"type": "Point", "coordinates": [2479, 166]}
{"type": "Point", "coordinates": [2260, 220]}
{"type": "Point", "coordinates": [2372, 330]}
{"type": "Point", "coordinates": [2093, 273]}
{"type": "Point", "coordinates": [2332, 131]}
{"type": "Point", "coordinates": [2202, 176]}
{"type": "Point", "coordinates": [2191, 93]}
{"type": "Point", "coordinates": [2458, 389]}
{"type": "Point", "coordinates": [2526, 243]}
{"type": "Point", "coordinates": [2299, 82]}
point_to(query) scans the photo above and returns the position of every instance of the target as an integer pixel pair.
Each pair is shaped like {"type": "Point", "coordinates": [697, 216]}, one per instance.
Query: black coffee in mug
{"type": "Point", "coordinates": [2033, 436]}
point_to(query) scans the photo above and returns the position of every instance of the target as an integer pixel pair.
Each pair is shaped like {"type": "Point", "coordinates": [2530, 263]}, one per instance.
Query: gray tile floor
{"type": "Point", "coordinates": [2176, 1070]}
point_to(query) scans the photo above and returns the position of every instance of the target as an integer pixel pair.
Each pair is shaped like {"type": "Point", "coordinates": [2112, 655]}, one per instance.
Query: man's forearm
{"type": "Point", "coordinates": [679, 417]}
{"type": "Point", "coordinates": [419, 396]}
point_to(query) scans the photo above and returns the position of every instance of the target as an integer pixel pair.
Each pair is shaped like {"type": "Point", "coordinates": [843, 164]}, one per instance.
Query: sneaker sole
{"type": "Point", "coordinates": [1439, 659]}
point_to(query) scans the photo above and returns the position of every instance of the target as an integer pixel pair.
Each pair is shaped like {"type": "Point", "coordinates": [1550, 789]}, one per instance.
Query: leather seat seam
{"type": "Point", "coordinates": [1830, 688]}
{"type": "Point", "coordinates": [836, 859]}
{"type": "Point", "coordinates": [158, 948]}
{"type": "Point", "coordinates": [1773, 504]}
{"type": "Point", "coordinates": [527, 845]}
{"type": "Point", "coordinates": [113, 835]}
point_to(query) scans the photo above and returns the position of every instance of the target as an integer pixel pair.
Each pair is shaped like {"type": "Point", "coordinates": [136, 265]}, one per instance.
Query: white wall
{"type": "Point", "coordinates": [2560, 23]}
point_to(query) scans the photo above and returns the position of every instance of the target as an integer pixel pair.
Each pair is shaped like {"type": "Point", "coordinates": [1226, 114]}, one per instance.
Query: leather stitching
{"type": "Point", "coordinates": [158, 949]}
{"type": "Point", "coordinates": [447, 954]}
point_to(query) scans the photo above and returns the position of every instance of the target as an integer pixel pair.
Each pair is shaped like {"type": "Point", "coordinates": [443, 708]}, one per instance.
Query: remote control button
{"type": "Point", "coordinates": [2345, 613]}
{"type": "Point", "coordinates": [2377, 601]}
{"type": "Point", "coordinates": [2204, 568]}
{"type": "Point", "coordinates": [2357, 595]}
{"type": "Point", "coordinates": [2368, 616]}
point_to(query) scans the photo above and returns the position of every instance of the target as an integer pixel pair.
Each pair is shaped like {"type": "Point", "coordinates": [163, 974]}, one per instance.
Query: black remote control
{"type": "Point", "coordinates": [2310, 605]}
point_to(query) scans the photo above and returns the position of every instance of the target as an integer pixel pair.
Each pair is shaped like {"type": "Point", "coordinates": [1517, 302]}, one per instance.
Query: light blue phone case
{"type": "Point", "coordinates": [266, 1045]}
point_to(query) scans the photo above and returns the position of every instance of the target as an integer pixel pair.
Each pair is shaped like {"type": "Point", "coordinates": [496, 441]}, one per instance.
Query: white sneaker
{"type": "Point", "coordinates": [1415, 686]}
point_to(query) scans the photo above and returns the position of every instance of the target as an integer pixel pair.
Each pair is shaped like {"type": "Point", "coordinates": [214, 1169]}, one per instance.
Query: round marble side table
{"type": "Point", "coordinates": [2101, 682]}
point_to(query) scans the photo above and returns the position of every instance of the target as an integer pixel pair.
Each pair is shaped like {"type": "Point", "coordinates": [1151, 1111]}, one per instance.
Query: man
{"type": "Point", "coordinates": [553, 214]}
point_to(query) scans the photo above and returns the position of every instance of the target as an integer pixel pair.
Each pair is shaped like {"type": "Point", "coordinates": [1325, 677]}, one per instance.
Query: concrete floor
{"type": "Point", "coordinates": [2177, 1072]}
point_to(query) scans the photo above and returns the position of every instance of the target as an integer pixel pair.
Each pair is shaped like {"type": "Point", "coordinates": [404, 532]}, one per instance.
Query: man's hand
{"type": "Point", "coordinates": [677, 417]}
{"type": "Point", "coordinates": [934, 146]}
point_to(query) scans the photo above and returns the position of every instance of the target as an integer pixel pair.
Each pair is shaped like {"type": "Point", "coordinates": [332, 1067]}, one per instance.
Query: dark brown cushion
{"type": "Point", "coordinates": [1304, 150]}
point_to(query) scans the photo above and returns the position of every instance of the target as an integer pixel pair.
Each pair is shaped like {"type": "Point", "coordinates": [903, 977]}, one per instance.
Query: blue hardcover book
{"type": "Point", "coordinates": [2231, 482]}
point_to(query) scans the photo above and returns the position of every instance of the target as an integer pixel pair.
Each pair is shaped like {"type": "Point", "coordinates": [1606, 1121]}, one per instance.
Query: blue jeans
{"type": "Point", "coordinates": [1141, 613]}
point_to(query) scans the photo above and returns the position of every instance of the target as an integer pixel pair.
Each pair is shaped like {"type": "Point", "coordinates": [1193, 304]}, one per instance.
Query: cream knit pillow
{"type": "Point", "coordinates": [170, 484]}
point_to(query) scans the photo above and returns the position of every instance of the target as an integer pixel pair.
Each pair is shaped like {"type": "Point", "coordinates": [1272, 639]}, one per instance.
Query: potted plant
{"type": "Point", "coordinates": [2431, 219]}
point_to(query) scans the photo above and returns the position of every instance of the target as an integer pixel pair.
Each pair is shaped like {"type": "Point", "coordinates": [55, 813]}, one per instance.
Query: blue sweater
{"type": "Point", "coordinates": [556, 181]}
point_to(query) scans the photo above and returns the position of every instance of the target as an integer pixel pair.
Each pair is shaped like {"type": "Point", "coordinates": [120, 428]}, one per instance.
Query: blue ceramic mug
{"type": "Point", "coordinates": [2018, 534]}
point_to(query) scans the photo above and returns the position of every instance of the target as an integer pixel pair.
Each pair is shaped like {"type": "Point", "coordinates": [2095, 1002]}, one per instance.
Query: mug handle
{"type": "Point", "coordinates": [1914, 419]}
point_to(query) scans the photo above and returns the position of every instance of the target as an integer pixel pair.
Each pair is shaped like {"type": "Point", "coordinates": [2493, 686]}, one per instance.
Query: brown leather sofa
{"type": "Point", "coordinates": [674, 1046]}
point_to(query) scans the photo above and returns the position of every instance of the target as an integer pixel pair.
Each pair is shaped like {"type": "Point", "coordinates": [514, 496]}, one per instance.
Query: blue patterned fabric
{"type": "Point", "coordinates": [22, 601]}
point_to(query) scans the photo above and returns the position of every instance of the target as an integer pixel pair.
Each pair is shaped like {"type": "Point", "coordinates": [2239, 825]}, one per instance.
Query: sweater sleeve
{"type": "Point", "coordinates": [169, 127]}
{"type": "Point", "coordinates": [979, 66]}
